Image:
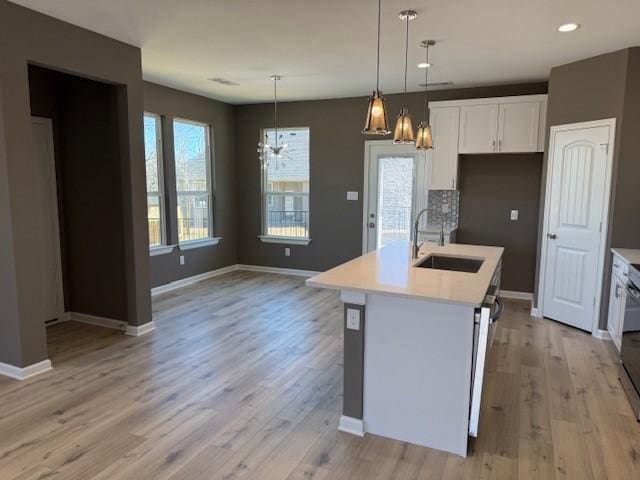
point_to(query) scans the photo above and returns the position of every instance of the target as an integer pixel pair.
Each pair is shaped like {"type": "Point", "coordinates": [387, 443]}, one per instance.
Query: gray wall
{"type": "Point", "coordinates": [170, 103]}
{"type": "Point", "coordinates": [606, 86]}
{"type": "Point", "coordinates": [84, 116]}
{"type": "Point", "coordinates": [28, 37]}
{"type": "Point", "coordinates": [490, 187]}
{"type": "Point", "coordinates": [337, 165]}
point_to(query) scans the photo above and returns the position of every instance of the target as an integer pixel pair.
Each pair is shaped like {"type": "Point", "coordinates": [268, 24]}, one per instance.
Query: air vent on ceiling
{"type": "Point", "coordinates": [224, 81]}
{"type": "Point", "coordinates": [436, 84]}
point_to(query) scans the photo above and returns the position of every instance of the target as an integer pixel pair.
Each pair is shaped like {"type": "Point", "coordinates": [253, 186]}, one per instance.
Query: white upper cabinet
{"type": "Point", "coordinates": [518, 127]}
{"type": "Point", "coordinates": [478, 128]}
{"type": "Point", "coordinates": [443, 159]}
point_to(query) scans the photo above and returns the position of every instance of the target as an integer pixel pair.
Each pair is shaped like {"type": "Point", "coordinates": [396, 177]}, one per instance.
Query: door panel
{"type": "Point", "coordinates": [478, 128]}
{"type": "Point", "coordinates": [578, 167]}
{"type": "Point", "coordinates": [396, 189]}
{"type": "Point", "coordinates": [48, 249]}
{"type": "Point", "coordinates": [518, 129]}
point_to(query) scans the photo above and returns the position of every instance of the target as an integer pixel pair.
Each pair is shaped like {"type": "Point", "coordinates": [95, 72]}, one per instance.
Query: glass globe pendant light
{"type": "Point", "coordinates": [403, 133]}
{"type": "Point", "coordinates": [376, 122]}
{"type": "Point", "coordinates": [424, 141]}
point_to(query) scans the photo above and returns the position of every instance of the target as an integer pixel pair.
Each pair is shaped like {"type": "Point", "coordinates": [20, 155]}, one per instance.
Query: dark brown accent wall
{"type": "Point", "coordinates": [27, 37]}
{"type": "Point", "coordinates": [170, 104]}
{"type": "Point", "coordinates": [606, 86]}
{"type": "Point", "coordinates": [490, 187]}
{"type": "Point", "coordinates": [336, 165]}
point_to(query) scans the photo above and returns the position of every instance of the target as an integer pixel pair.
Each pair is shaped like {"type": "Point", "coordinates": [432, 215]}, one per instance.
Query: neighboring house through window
{"type": "Point", "coordinates": [285, 188]}
{"type": "Point", "coordinates": [193, 180]}
{"type": "Point", "coordinates": [155, 184]}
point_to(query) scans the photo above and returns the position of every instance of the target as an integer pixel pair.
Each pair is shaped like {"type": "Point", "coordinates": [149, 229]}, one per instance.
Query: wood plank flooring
{"type": "Point", "coordinates": [242, 379]}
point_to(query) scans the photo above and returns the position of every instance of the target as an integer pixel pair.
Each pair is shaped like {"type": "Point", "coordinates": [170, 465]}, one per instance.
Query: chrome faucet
{"type": "Point", "coordinates": [415, 248]}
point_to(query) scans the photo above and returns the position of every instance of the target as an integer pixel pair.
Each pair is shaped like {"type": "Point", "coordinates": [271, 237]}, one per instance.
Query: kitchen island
{"type": "Point", "coordinates": [413, 339]}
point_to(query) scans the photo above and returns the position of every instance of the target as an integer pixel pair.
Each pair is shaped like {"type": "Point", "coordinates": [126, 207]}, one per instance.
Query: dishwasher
{"type": "Point", "coordinates": [483, 334]}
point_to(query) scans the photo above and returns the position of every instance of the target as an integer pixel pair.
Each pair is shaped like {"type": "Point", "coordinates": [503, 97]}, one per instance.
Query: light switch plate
{"type": "Point", "coordinates": [287, 252]}
{"type": "Point", "coordinates": [353, 319]}
{"type": "Point", "coordinates": [181, 259]}
{"type": "Point", "coordinates": [514, 214]}
{"type": "Point", "coordinates": [352, 195]}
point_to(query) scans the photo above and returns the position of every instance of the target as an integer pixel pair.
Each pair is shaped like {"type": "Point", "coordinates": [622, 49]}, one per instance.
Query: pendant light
{"type": "Point", "coordinates": [376, 123]}
{"type": "Point", "coordinates": [276, 149]}
{"type": "Point", "coordinates": [424, 141]}
{"type": "Point", "coordinates": [403, 132]}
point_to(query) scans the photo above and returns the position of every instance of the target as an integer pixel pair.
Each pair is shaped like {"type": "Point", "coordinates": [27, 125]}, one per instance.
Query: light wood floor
{"type": "Point", "coordinates": [242, 379]}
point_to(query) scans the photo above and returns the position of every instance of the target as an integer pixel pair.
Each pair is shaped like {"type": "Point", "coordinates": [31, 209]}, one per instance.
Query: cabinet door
{"type": "Point", "coordinates": [443, 159]}
{"type": "Point", "coordinates": [518, 127]}
{"type": "Point", "coordinates": [478, 128]}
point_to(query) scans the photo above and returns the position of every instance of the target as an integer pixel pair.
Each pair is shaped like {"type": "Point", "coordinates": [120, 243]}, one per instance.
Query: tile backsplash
{"type": "Point", "coordinates": [436, 199]}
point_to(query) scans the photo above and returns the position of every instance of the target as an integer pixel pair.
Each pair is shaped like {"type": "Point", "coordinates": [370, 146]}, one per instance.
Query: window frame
{"type": "Point", "coordinates": [211, 239]}
{"type": "Point", "coordinates": [161, 184]}
{"type": "Point", "coordinates": [264, 181]}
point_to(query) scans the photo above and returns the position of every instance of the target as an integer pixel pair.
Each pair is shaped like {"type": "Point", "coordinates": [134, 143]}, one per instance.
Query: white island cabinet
{"type": "Point", "coordinates": [415, 340]}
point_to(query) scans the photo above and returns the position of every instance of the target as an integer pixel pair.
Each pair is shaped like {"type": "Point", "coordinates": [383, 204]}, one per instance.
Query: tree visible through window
{"type": "Point", "coordinates": [193, 180]}
{"type": "Point", "coordinates": [155, 193]}
{"type": "Point", "coordinates": [285, 186]}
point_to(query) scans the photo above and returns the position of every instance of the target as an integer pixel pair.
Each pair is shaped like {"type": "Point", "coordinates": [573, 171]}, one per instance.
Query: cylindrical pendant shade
{"type": "Point", "coordinates": [403, 132]}
{"type": "Point", "coordinates": [423, 137]}
{"type": "Point", "coordinates": [376, 123]}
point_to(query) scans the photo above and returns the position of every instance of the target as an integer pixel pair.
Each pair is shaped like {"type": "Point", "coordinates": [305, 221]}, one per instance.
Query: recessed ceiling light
{"type": "Point", "coordinates": [568, 27]}
{"type": "Point", "coordinates": [424, 65]}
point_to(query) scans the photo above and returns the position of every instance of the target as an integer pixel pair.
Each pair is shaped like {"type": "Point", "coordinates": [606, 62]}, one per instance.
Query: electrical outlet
{"type": "Point", "coordinates": [353, 319]}
{"type": "Point", "coordinates": [352, 195]}
{"type": "Point", "coordinates": [287, 252]}
{"type": "Point", "coordinates": [181, 259]}
{"type": "Point", "coordinates": [514, 214]}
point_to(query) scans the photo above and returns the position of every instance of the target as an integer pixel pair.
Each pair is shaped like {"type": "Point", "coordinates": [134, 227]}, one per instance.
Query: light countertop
{"type": "Point", "coordinates": [629, 255]}
{"type": "Point", "coordinates": [390, 271]}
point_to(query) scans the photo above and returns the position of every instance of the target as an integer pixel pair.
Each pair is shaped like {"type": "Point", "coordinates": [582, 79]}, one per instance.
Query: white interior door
{"type": "Point", "coordinates": [50, 280]}
{"type": "Point", "coordinates": [575, 213]}
{"type": "Point", "coordinates": [395, 189]}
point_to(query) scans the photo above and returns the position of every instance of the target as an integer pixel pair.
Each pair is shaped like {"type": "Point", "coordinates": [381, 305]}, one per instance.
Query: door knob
{"type": "Point", "coordinates": [552, 236]}
{"type": "Point", "coordinates": [372, 225]}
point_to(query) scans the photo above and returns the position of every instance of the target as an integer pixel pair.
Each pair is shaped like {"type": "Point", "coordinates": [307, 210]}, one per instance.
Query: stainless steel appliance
{"type": "Point", "coordinates": [630, 352]}
{"type": "Point", "coordinates": [483, 333]}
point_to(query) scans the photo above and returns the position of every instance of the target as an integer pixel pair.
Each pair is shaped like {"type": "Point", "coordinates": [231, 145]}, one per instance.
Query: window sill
{"type": "Point", "coordinates": [199, 243]}
{"type": "Point", "coordinates": [161, 250]}
{"type": "Point", "coordinates": [285, 240]}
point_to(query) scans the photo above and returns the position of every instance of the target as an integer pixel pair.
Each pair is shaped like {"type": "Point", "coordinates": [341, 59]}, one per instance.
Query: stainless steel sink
{"type": "Point", "coordinates": [455, 264]}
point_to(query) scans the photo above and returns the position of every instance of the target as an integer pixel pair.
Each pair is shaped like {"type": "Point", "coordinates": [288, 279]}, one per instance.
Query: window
{"type": "Point", "coordinates": [193, 180]}
{"type": "Point", "coordinates": [155, 190]}
{"type": "Point", "coordinates": [285, 189]}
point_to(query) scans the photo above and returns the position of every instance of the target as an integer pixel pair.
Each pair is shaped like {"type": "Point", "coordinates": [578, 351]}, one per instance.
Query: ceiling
{"type": "Point", "coordinates": [326, 49]}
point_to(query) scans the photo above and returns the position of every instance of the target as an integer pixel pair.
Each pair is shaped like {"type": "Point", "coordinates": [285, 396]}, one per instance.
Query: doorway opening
{"type": "Point", "coordinates": [394, 191]}
{"type": "Point", "coordinates": [78, 187]}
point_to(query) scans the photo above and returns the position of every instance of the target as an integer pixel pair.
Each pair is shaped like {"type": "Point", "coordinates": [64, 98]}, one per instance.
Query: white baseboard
{"type": "Point", "coordinates": [20, 373]}
{"type": "Point", "coordinates": [602, 334]}
{"type": "Point", "coordinates": [535, 312]}
{"type": "Point", "coordinates": [231, 268]}
{"type": "Point", "coordinates": [279, 270]}
{"type": "Point", "coordinates": [351, 425]}
{"type": "Point", "coordinates": [99, 321]}
{"type": "Point", "coordinates": [139, 330]}
{"type": "Point", "coordinates": [193, 279]}
{"type": "Point", "coordinates": [516, 295]}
